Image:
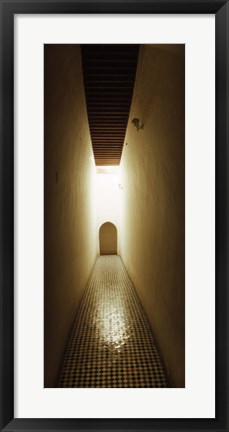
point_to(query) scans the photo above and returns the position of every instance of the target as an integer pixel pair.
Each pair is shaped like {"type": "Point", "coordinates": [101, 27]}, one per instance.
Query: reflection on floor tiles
{"type": "Point", "coordinates": [111, 344]}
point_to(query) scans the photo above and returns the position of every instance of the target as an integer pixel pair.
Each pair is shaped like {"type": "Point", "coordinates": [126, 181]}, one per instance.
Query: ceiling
{"type": "Point", "coordinates": [109, 76]}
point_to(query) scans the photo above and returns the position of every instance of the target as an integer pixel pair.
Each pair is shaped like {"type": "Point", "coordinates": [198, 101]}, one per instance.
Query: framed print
{"type": "Point", "coordinates": [114, 215]}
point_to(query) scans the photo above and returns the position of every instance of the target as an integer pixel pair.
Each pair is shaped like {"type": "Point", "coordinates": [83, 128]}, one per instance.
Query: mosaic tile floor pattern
{"type": "Point", "coordinates": [111, 344]}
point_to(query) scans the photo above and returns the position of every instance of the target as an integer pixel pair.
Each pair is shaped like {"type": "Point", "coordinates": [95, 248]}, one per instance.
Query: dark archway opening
{"type": "Point", "coordinates": [108, 239]}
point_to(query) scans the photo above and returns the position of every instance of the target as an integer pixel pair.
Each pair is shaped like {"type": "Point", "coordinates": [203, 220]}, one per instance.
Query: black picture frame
{"type": "Point", "coordinates": [220, 8]}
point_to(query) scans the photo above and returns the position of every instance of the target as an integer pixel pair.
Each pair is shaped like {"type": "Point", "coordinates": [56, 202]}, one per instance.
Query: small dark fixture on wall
{"type": "Point", "coordinates": [136, 123]}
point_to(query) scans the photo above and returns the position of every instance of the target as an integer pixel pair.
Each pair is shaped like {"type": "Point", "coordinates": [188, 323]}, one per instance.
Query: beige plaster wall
{"type": "Point", "coordinates": [153, 178]}
{"type": "Point", "coordinates": [108, 239]}
{"type": "Point", "coordinates": [69, 217]}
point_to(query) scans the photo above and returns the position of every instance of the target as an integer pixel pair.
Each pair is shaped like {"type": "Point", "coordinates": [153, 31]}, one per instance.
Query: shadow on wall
{"type": "Point", "coordinates": [108, 239]}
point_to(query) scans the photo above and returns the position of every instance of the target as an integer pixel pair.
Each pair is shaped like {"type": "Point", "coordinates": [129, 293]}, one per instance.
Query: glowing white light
{"type": "Point", "coordinates": [107, 196]}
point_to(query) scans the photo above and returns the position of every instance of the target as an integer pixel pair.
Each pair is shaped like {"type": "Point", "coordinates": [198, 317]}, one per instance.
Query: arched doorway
{"type": "Point", "coordinates": [108, 239]}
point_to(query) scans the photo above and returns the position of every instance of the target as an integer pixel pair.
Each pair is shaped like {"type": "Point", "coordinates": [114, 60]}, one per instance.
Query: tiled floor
{"type": "Point", "coordinates": [111, 344]}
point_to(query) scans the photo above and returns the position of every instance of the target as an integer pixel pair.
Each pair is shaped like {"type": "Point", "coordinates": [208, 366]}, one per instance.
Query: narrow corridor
{"type": "Point", "coordinates": [114, 183]}
{"type": "Point", "coordinates": [111, 344]}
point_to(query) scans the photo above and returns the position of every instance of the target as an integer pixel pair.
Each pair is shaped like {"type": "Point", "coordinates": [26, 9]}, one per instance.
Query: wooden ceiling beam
{"type": "Point", "coordinates": [109, 74]}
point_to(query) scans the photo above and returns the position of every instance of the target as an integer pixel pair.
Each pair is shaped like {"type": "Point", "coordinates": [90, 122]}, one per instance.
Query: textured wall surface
{"type": "Point", "coordinates": [69, 219]}
{"type": "Point", "coordinates": [153, 177]}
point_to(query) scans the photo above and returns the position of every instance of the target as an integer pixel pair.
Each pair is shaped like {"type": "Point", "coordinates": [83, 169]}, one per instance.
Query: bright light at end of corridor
{"type": "Point", "coordinates": [110, 169]}
{"type": "Point", "coordinates": [108, 196]}
{"type": "Point", "coordinates": [109, 174]}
